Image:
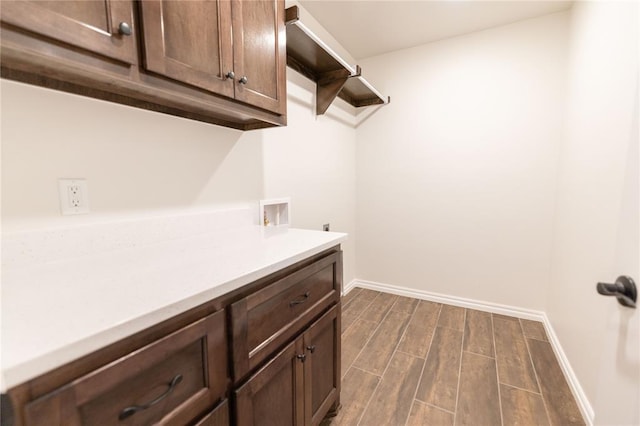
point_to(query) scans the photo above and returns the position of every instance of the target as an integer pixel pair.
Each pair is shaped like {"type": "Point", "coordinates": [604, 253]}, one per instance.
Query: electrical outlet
{"type": "Point", "coordinates": [74, 196]}
{"type": "Point", "coordinates": [325, 227]}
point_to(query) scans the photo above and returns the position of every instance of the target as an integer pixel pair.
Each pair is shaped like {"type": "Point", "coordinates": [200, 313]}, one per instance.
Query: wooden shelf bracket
{"type": "Point", "coordinates": [312, 57]}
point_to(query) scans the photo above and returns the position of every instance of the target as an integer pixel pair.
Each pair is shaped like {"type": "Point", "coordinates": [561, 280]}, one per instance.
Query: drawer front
{"type": "Point", "coordinates": [265, 320]}
{"type": "Point", "coordinates": [172, 380]}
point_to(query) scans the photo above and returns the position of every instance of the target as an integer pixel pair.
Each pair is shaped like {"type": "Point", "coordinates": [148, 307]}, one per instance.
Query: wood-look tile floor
{"type": "Point", "coordinates": [413, 362]}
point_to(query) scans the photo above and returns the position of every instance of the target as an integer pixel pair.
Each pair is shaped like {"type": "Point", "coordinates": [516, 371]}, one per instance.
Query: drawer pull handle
{"type": "Point", "coordinates": [301, 357]}
{"type": "Point", "coordinates": [299, 300]}
{"type": "Point", "coordinates": [311, 348]}
{"type": "Point", "coordinates": [130, 411]}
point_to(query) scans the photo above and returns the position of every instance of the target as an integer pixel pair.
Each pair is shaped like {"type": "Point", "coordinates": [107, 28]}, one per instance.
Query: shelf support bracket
{"type": "Point", "coordinates": [328, 86]}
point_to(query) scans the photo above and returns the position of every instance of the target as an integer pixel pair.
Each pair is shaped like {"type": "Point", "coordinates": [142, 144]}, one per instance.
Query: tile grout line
{"type": "Point", "coordinates": [410, 354]}
{"type": "Point", "coordinates": [365, 343]}
{"type": "Point", "coordinates": [364, 346]}
{"type": "Point", "coordinates": [370, 337]}
{"type": "Point", "coordinates": [392, 354]}
{"type": "Point", "coordinates": [495, 352]}
{"type": "Point", "coordinates": [535, 373]}
{"type": "Point", "coordinates": [424, 364]}
{"type": "Point", "coordinates": [364, 371]}
{"type": "Point", "coordinates": [535, 338]}
{"type": "Point", "coordinates": [436, 407]}
{"type": "Point", "coordinates": [352, 299]}
{"type": "Point", "coordinates": [464, 330]}
{"type": "Point", "coordinates": [365, 308]}
{"type": "Point", "coordinates": [521, 389]}
{"type": "Point", "coordinates": [475, 353]}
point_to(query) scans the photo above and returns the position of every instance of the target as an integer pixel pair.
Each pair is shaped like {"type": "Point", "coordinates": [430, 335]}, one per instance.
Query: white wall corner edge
{"type": "Point", "coordinates": [584, 405]}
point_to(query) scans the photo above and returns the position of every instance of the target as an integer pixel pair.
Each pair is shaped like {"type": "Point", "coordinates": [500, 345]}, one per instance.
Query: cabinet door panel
{"type": "Point", "coordinates": [322, 374]}
{"type": "Point", "coordinates": [88, 24]}
{"type": "Point", "coordinates": [273, 396]}
{"type": "Point", "coordinates": [218, 417]}
{"type": "Point", "coordinates": [260, 53]}
{"type": "Point", "coordinates": [189, 41]}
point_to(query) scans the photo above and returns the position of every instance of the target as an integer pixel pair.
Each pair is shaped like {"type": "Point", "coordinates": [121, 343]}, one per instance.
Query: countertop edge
{"type": "Point", "coordinates": [21, 373]}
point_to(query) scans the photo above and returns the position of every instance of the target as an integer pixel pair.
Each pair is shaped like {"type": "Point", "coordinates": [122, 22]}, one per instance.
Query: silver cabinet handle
{"type": "Point", "coordinates": [231, 75]}
{"type": "Point", "coordinates": [124, 28]}
{"type": "Point", "coordinates": [243, 80]}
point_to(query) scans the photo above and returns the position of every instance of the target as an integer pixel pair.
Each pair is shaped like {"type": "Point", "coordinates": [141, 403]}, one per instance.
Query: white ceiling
{"type": "Point", "coordinates": [371, 27]}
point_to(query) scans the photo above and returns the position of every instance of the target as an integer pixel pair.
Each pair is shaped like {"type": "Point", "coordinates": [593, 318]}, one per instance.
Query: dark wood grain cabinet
{"type": "Point", "coordinates": [218, 61]}
{"type": "Point", "coordinates": [302, 311]}
{"type": "Point", "coordinates": [300, 384]}
{"type": "Point", "coordinates": [260, 53]}
{"type": "Point", "coordinates": [105, 27]}
{"type": "Point", "coordinates": [189, 41]}
{"type": "Point", "coordinates": [267, 353]}
{"type": "Point", "coordinates": [235, 49]}
{"type": "Point", "coordinates": [174, 380]}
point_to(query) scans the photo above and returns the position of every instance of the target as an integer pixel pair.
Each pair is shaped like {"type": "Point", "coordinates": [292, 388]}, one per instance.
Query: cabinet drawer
{"type": "Point", "coordinates": [264, 321]}
{"type": "Point", "coordinates": [172, 380]}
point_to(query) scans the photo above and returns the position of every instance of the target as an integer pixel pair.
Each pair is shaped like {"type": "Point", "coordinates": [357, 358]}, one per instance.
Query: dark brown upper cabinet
{"type": "Point", "coordinates": [189, 41]}
{"type": "Point", "coordinates": [234, 49]}
{"type": "Point", "coordinates": [105, 27]}
{"type": "Point", "coordinates": [217, 61]}
{"type": "Point", "coordinates": [260, 53]}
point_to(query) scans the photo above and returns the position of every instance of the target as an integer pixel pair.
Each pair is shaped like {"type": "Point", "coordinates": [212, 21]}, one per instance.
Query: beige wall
{"type": "Point", "coordinates": [140, 163]}
{"type": "Point", "coordinates": [135, 161]}
{"type": "Point", "coordinates": [456, 177]}
{"type": "Point", "coordinates": [313, 161]}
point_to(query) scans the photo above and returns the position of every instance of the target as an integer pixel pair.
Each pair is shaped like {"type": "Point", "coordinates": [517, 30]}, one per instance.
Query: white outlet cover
{"type": "Point", "coordinates": [77, 205]}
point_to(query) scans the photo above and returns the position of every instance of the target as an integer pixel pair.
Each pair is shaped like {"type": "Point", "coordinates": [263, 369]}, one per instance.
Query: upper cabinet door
{"type": "Point", "coordinates": [260, 55]}
{"type": "Point", "coordinates": [105, 27]}
{"type": "Point", "coordinates": [190, 41]}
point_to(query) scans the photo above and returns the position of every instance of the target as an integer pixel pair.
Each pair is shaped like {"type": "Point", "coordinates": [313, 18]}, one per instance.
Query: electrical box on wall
{"type": "Point", "coordinates": [275, 212]}
{"type": "Point", "coordinates": [74, 196]}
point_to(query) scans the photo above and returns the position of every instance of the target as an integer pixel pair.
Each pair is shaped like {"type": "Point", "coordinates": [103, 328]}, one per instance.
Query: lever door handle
{"type": "Point", "coordinates": [624, 289]}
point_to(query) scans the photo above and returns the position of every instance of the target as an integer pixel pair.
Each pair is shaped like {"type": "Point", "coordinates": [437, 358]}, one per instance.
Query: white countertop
{"type": "Point", "coordinates": [57, 311]}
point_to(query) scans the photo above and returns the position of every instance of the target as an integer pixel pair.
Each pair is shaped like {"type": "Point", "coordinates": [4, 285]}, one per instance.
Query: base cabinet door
{"type": "Point", "coordinates": [218, 417]}
{"type": "Point", "coordinates": [322, 366]}
{"type": "Point", "coordinates": [274, 396]}
{"type": "Point", "coordinates": [301, 384]}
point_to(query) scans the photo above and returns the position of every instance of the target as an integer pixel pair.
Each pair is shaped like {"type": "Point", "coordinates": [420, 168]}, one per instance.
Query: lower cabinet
{"type": "Point", "coordinates": [266, 354]}
{"type": "Point", "coordinates": [300, 384]}
{"type": "Point", "coordinates": [172, 381]}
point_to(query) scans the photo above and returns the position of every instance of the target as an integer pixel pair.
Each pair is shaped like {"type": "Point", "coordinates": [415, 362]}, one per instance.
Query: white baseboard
{"type": "Point", "coordinates": [578, 393]}
{"type": "Point", "coordinates": [347, 288]}
{"type": "Point", "coordinates": [581, 398]}
{"type": "Point", "coordinates": [451, 300]}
